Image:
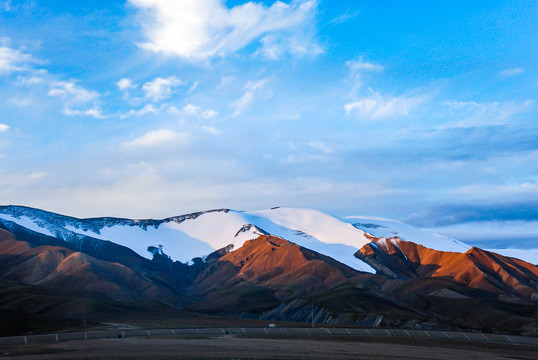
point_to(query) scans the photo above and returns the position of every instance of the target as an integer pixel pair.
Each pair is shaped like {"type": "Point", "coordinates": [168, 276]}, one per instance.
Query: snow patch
{"type": "Point", "coordinates": [390, 228]}
{"type": "Point", "coordinates": [31, 224]}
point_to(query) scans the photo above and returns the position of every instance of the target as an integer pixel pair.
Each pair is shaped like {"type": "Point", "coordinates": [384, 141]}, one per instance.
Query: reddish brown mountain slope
{"type": "Point", "coordinates": [59, 267]}
{"type": "Point", "coordinates": [475, 268]}
{"type": "Point", "coordinates": [269, 267]}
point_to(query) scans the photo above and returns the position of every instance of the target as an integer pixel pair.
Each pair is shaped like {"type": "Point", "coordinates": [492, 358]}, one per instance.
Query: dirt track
{"type": "Point", "coordinates": [234, 347]}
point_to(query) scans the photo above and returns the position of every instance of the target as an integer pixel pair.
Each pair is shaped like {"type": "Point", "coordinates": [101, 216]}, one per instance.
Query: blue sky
{"type": "Point", "coordinates": [423, 111]}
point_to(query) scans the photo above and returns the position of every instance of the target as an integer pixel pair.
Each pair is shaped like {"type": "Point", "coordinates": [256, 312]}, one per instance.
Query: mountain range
{"type": "Point", "coordinates": [278, 264]}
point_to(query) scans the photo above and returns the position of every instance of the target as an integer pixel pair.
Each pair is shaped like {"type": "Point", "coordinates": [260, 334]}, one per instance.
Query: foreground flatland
{"type": "Point", "coordinates": [267, 347]}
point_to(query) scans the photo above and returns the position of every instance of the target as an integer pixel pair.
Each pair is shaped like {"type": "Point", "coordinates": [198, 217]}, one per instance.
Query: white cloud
{"type": "Point", "coordinates": [358, 71]}
{"type": "Point", "coordinates": [20, 101]}
{"type": "Point", "coordinates": [517, 191]}
{"type": "Point", "coordinates": [377, 106]}
{"type": "Point", "coordinates": [158, 137]}
{"type": "Point", "coordinates": [12, 60]}
{"type": "Point", "coordinates": [363, 66]}
{"type": "Point", "coordinates": [193, 87]}
{"type": "Point", "coordinates": [512, 72]}
{"type": "Point", "coordinates": [343, 17]}
{"type": "Point", "coordinates": [243, 102]}
{"type": "Point", "coordinates": [75, 97]}
{"type": "Point", "coordinates": [193, 110]}
{"type": "Point", "coordinates": [160, 88]}
{"type": "Point", "coordinates": [225, 83]}
{"type": "Point", "coordinates": [7, 6]}
{"type": "Point", "coordinates": [475, 114]}
{"type": "Point", "coordinates": [4, 127]}
{"type": "Point", "coordinates": [198, 30]}
{"type": "Point", "coordinates": [125, 84]}
{"type": "Point", "coordinates": [320, 145]}
{"type": "Point", "coordinates": [147, 109]}
{"type": "Point", "coordinates": [94, 112]}
{"type": "Point", "coordinates": [212, 130]}
{"type": "Point", "coordinates": [208, 114]}
{"type": "Point", "coordinates": [274, 46]}
{"type": "Point", "coordinates": [190, 109]}
{"type": "Point", "coordinates": [251, 88]}
{"type": "Point", "coordinates": [32, 80]}
{"type": "Point", "coordinates": [71, 92]}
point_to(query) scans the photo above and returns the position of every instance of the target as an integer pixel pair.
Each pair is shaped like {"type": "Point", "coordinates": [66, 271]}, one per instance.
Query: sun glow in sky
{"type": "Point", "coordinates": [424, 111]}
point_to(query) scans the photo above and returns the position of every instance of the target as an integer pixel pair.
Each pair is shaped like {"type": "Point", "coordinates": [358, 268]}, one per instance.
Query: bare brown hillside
{"type": "Point", "coordinates": [475, 268]}
{"type": "Point", "coordinates": [59, 267]}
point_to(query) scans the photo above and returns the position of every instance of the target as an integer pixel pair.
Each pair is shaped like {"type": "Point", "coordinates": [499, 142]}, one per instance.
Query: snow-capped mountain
{"type": "Point", "coordinates": [199, 234]}
{"type": "Point", "coordinates": [272, 264]}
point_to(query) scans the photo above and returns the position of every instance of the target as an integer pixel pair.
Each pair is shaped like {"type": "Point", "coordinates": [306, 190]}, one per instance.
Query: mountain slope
{"type": "Point", "coordinates": [282, 269]}
{"type": "Point", "coordinates": [59, 267]}
{"type": "Point", "coordinates": [475, 268]}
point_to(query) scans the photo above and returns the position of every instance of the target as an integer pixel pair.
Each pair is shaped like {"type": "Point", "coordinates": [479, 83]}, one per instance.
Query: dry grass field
{"type": "Point", "coordinates": [241, 347]}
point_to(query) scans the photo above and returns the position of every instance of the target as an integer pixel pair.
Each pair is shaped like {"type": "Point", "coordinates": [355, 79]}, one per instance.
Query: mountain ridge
{"type": "Point", "coordinates": [476, 268]}
{"type": "Point", "coordinates": [276, 264]}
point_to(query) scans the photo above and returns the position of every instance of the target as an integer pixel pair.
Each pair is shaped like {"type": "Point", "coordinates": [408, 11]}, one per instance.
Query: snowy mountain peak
{"type": "Point", "coordinates": [198, 234]}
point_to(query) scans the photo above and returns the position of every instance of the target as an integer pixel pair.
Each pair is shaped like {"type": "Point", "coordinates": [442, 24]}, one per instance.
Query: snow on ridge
{"type": "Point", "coordinates": [197, 234]}
{"type": "Point", "coordinates": [304, 228]}
{"type": "Point", "coordinates": [324, 227]}
{"type": "Point", "coordinates": [28, 223]}
{"type": "Point", "coordinates": [390, 228]}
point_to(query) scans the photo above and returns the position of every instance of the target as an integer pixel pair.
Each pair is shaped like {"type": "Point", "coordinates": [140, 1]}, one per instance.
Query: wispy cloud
{"type": "Point", "coordinates": [378, 107]}
{"type": "Point", "coordinates": [359, 70]}
{"type": "Point", "coordinates": [93, 112]}
{"type": "Point", "coordinates": [193, 110]}
{"type": "Point", "coordinates": [198, 30]}
{"type": "Point", "coordinates": [4, 127]}
{"type": "Point", "coordinates": [276, 46]}
{"type": "Point", "coordinates": [476, 114]}
{"type": "Point", "coordinates": [211, 130]}
{"type": "Point", "coordinates": [451, 214]}
{"type": "Point", "coordinates": [512, 72]}
{"type": "Point", "coordinates": [363, 66]}
{"type": "Point", "coordinates": [13, 60]}
{"type": "Point", "coordinates": [72, 92]}
{"type": "Point", "coordinates": [7, 6]}
{"type": "Point", "coordinates": [36, 78]}
{"type": "Point", "coordinates": [321, 146]}
{"type": "Point", "coordinates": [156, 138]}
{"type": "Point", "coordinates": [344, 17]}
{"type": "Point", "coordinates": [161, 88]}
{"type": "Point", "coordinates": [521, 191]}
{"type": "Point", "coordinates": [125, 84]}
{"type": "Point", "coordinates": [76, 99]}
{"type": "Point", "coordinates": [251, 89]}
{"type": "Point", "coordinates": [20, 101]}
{"type": "Point", "coordinates": [147, 109]}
